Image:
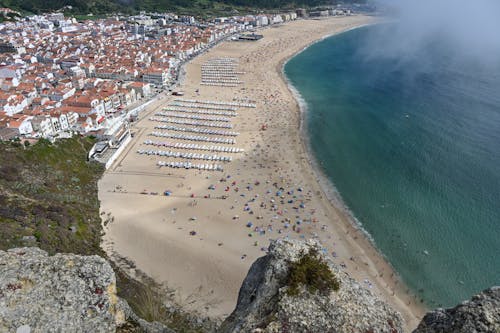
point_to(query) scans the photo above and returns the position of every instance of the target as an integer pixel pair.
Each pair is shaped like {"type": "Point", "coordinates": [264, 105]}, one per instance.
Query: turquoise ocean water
{"type": "Point", "coordinates": [413, 148]}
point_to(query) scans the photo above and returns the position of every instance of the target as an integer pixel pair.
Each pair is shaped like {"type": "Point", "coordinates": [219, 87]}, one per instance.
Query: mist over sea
{"type": "Point", "coordinates": [411, 141]}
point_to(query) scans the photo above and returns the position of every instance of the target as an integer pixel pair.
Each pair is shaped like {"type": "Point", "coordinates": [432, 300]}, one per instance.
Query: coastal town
{"type": "Point", "coordinates": [60, 77]}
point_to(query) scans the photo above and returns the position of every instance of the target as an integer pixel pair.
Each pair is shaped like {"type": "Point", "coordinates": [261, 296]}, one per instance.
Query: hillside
{"type": "Point", "coordinates": [202, 7]}
{"type": "Point", "coordinates": [48, 196]}
{"type": "Point", "coordinates": [48, 199]}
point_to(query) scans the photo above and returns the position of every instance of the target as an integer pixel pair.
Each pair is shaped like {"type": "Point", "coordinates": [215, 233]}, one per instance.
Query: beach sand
{"type": "Point", "coordinates": [206, 270]}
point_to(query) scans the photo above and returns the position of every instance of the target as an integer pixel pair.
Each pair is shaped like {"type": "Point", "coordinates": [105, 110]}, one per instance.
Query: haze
{"type": "Point", "coordinates": [469, 29]}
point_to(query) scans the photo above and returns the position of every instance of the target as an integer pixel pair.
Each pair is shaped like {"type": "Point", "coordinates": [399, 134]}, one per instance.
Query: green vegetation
{"type": "Point", "coordinates": [80, 17]}
{"type": "Point", "coordinates": [77, 6]}
{"type": "Point", "coordinates": [48, 196]}
{"type": "Point", "coordinates": [147, 299]}
{"type": "Point", "coordinates": [48, 199]}
{"type": "Point", "coordinates": [202, 8]}
{"type": "Point", "coordinates": [312, 272]}
{"type": "Point", "coordinates": [9, 17]}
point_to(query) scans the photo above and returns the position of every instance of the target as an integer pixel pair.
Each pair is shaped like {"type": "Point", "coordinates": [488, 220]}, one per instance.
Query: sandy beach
{"type": "Point", "coordinates": [198, 243]}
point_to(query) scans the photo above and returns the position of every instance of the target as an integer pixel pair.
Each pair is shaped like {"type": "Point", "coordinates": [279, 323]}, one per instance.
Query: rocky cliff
{"type": "Point", "coordinates": [479, 314]}
{"type": "Point", "coordinates": [72, 293]}
{"type": "Point", "coordinates": [265, 304]}
{"type": "Point", "coordinates": [61, 293]}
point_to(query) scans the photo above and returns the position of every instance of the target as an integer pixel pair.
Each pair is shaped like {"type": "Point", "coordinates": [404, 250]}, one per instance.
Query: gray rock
{"type": "Point", "coordinates": [23, 329]}
{"type": "Point", "coordinates": [29, 239]}
{"type": "Point", "coordinates": [60, 293]}
{"type": "Point", "coordinates": [264, 305]}
{"type": "Point", "coordinates": [481, 314]}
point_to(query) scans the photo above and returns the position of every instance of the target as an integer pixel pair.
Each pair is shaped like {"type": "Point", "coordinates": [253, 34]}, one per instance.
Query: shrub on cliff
{"type": "Point", "coordinates": [312, 272]}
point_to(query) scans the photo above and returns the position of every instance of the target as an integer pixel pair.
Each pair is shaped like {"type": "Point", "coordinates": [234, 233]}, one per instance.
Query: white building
{"type": "Point", "coordinates": [156, 77]}
{"type": "Point", "coordinates": [43, 125]}
{"type": "Point", "coordinates": [23, 125]}
{"type": "Point", "coordinates": [262, 20]}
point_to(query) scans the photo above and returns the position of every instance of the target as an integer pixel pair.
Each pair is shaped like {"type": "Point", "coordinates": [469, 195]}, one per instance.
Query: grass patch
{"type": "Point", "coordinates": [45, 189]}
{"type": "Point", "coordinates": [148, 304]}
{"type": "Point", "coordinates": [147, 299]}
{"type": "Point", "coordinates": [48, 189]}
{"type": "Point", "coordinates": [313, 273]}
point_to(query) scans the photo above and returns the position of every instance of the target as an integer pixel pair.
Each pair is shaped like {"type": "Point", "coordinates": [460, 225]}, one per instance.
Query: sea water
{"type": "Point", "coordinates": [413, 148]}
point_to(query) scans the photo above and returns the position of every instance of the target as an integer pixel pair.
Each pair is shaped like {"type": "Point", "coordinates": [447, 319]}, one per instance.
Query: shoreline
{"type": "Point", "coordinates": [327, 185]}
{"type": "Point", "coordinates": [203, 263]}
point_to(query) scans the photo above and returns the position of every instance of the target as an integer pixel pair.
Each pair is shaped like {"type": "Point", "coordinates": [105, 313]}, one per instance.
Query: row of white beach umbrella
{"type": "Point", "coordinates": [216, 79]}
{"type": "Point", "coordinates": [237, 104]}
{"type": "Point", "coordinates": [221, 60]}
{"type": "Point", "coordinates": [207, 107]}
{"type": "Point", "coordinates": [221, 81]}
{"type": "Point", "coordinates": [220, 78]}
{"type": "Point", "coordinates": [193, 146]}
{"type": "Point", "coordinates": [212, 113]}
{"type": "Point", "coordinates": [219, 84]}
{"type": "Point", "coordinates": [221, 66]}
{"type": "Point", "coordinates": [191, 122]}
{"type": "Point", "coordinates": [193, 137]}
{"type": "Point", "coordinates": [195, 117]}
{"type": "Point", "coordinates": [220, 63]}
{"type": "Point", "coordinates": [189, 156]}
{"type": "Point", "coordinates": [221, 71]}
{"type": "Point", "coordinates": [197, 130]}
{"type": "Point", "coordinates": [219, 75]}
{"type": "Point", "coordinates": [189, 165]}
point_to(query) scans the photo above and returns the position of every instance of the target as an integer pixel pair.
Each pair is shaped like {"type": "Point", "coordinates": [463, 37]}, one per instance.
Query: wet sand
{"type": "Point", "coordinates": [207, 269]}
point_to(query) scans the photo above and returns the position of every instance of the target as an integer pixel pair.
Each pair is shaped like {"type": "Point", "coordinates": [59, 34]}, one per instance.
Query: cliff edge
{"type": "Point", "coordinates": [61, 293]}
{"type": "Point", "coordinates": [294, 288]}
{"type": "Point", "coordinates": [479, 314]}
{"type": "Point", "coordinates": [265, 303]}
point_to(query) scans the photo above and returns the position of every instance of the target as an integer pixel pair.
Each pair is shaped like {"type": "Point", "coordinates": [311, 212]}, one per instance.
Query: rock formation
{"type": "Point", "coordinates": [72, 293]}
{"type": "Point", "coordinates": [265, 306]}
{"type": "Point", "coordinates": [60, 293]}
{"type": "Point", "coordinates": [480, 314]}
